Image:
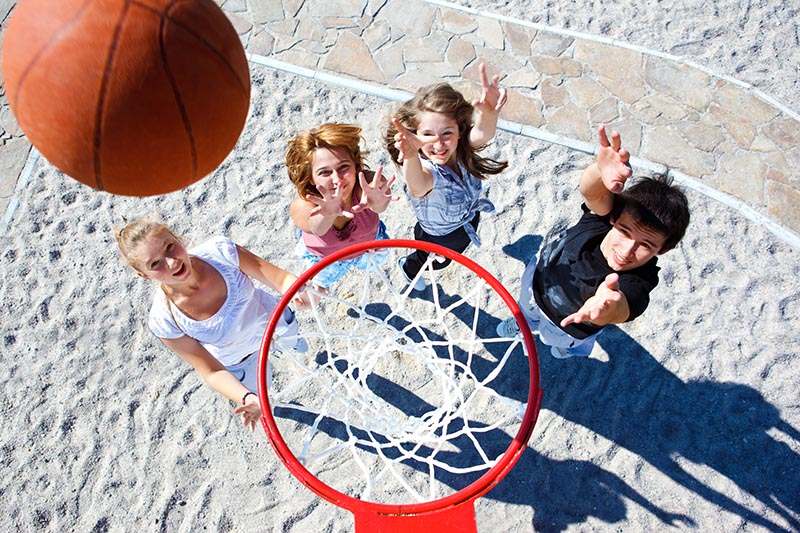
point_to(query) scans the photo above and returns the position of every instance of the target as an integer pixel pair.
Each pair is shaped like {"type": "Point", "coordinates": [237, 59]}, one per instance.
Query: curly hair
{"type": "Point", "coordinates": [300, 152]}
{"type": "Point", "coordinates": [442, 98]}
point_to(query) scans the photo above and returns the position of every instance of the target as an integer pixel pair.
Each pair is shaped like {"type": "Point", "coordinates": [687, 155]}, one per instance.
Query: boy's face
{"type": "Point", "coordinates": [630, 244]}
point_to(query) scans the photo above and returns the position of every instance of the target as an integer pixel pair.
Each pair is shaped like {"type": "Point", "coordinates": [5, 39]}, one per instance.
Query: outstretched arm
{"type": "Point", "coordinates": [419, 180]}
{"type": "Point", "coordinates": [487, 110]}
{"type": "Point", "coordinates": [215, 376]}
{"type": "Point", "coordinates": [607, 306]}
{"type": "Point", "coordinates": [607, 175]}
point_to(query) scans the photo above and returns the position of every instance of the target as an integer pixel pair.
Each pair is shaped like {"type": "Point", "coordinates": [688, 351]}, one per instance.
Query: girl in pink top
{"type": "Point", "coordinates": [339, 198]}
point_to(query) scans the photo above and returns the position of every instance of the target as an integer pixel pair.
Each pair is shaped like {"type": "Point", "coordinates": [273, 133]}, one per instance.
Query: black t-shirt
{"type": "Point", "coordinates": [571, 267]}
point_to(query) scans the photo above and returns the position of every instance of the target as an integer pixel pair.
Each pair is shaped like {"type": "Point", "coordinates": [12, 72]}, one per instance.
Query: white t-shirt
{"type": "Point", "coordinates": [235, 330]}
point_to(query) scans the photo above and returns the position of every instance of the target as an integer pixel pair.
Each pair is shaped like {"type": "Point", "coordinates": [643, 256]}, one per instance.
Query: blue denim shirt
{"type": "Point", "coordinates": [452, 202]}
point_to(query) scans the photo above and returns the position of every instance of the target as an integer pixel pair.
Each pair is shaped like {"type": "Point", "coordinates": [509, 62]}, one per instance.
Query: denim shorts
{"type": "Point", "coordinates": [336, 271]}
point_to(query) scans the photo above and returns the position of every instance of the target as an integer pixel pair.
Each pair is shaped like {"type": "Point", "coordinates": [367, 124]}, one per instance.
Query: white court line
{"type": "Point", "coordinates": [22, 181]}
{"type": "Point", "coordinates": [785, 234]}
{"type": "Point", "coordinates": [622, 44]}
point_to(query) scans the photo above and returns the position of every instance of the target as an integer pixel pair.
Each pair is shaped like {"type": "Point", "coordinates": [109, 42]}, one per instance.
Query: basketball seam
{"type": "Point", "coordinates": [56, 36]}
{"type": "Point", "coordinates": [242, 85]}
{"type": "Point", "coordinates": [101, 99]}
{"type": "Point", "coordinates": [187, 125]}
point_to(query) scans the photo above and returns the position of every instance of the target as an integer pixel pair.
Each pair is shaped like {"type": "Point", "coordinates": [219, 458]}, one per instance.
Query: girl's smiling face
{"type": "Point", "coordinates": [440, 135]}
{"type": "Point", "coordinates": [334, 169]}
{"type": "Point", "coordinates": [161, 257]}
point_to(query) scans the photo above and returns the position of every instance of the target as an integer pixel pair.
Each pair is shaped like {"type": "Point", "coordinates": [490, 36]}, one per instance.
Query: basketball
{"type": "Point", "coordinates": [136, 97]}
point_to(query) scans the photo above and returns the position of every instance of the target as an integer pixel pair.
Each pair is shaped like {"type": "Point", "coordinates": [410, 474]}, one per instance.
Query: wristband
{"type": "Point", "coordinates": [246, 394]}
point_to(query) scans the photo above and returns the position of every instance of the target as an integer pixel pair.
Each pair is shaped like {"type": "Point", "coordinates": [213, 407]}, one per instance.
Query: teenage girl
{"type": "Point", "coordinates": [435, 137]}
{"type": "Point", "coordinates": [339, 198]}
{"type": "Point", "coordinates": [207, 309]}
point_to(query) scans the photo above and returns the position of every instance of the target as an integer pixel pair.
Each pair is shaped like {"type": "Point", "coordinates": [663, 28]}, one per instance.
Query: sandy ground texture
{"type": "Point", "coordinates": [688, 416]}
{"type": "Point", "coordinates": [755, 41]}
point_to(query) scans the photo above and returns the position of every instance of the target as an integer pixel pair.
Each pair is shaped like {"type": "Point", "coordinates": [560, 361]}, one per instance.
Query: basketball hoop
{"type": "Point", "coordinates": [400, 409]}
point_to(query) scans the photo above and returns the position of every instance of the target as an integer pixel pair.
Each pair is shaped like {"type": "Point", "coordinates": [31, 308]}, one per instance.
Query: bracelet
{"type": "Point", "coordinates": [246, 394]}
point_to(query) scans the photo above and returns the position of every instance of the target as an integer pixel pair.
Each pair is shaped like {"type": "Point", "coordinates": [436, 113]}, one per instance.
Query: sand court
{"type": "Point", "coordinates": [686, 417]}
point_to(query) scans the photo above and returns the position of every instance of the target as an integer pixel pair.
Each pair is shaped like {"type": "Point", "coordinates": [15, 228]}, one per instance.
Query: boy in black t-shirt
{"type": "Point", "coordinates": [601, 270]}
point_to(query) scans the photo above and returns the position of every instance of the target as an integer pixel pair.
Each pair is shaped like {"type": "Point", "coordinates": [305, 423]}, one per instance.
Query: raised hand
{"type": "Point", "coordinates": [375, 195]}
{"type": "Point", "coordinates": [250, 411]}
{"type": "Point", "coordinates": [406, 141]}
{"type": "Point", "coordinates": [329, 204]}
{"type": "Point", "coordinates": [493, 98]}
{"type": "Point", "coordinates": [597, 307]}
{"type": "Point", "coordinates": [612, 160]}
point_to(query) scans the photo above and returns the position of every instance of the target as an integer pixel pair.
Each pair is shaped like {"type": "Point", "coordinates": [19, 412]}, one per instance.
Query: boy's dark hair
{"type": "Point", "coordinates": [658, 204]}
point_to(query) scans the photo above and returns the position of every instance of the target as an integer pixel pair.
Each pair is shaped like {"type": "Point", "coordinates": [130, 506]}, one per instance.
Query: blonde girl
{"type": "Point", "coordinates": [206, 308]}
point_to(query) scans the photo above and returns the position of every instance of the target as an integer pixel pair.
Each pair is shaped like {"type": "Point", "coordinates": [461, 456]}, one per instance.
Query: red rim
{"type": "Point", "coordinates": [477, 488]}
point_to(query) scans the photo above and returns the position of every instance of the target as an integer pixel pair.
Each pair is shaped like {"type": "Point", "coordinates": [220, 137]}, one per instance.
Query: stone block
{"type": "Point", "coordinates": [522, 109]}
{"type": "Point", "coordinates": [518, 39]}
{"type": "Point", "coordinates": [390, 60]}
{"type": "Point", "coordinates": [429, 49]}
{"type": "Point", "coordinates": [738, 101]}
{"type": "Point", "coordinates": [350, 55]}
{"type": "Point", "coordinates": [283, 43]}
{"type": "Point", "coordinates": [491, 33]}
{"type": "Point", "coordinates": [335, 8]}
{"type": "Point", "coordinates": [684, 83]}
{"type": "Point", "coordinates": [525, 77]}
{"type": "Point", "coordinates": [629, 91]}
{"type": "Point", "coordinates": [13, 155]}
{"type": "Point", "coordinates": [338, 23]}
{"type": "Point", "coordinates": [586, 92]}
{"type": "Point", "coordinates": [570, 121]}
{"type": "Point", "coordinates": [459, 53]}
{"type": "Point", "coordinates": [285, 27]}
{"type": "Point", "coordinates": [457, 22]}
{"type": "Point", "coordinates": [240, 23]}
{"type": "Point", "coordinates": [307, 29]}
{"type": "Point", "coordinates": [701, 135]}
{"type": "Point", "coordinates": [497, 62]}
{"type": "Point", "coordinates": [264, 11]}
{"type": "Point", "coordinates": [411, 18]}
{"type": "Point", "coordinates": [298, 57]}
{"type": "Point", "coordinates": [783, 131]}
{"type": "Point", "coordinates": [740, 128]}
{"type": "Point", "coordinates": [664, 145]}
{"type": "Point", "coordinates": [762, 144]}
{"type": "Point", "coordinates": [604, 111]}
{"type": "Point", "coordinates": [411, 80]}
{"type": "Point", "coordinates": [742, 175]}
{"type": "Point", "coordinates": [549, 44]}
{"type": "Point", "coordinates": [658, 109]}
{"type": "Point", "coordinates": [553, 92]}
{"type": "Point", "coordinates": [557, 66]}
{"type": "Point", "coordinates": [261, 44]}
{"type": "Point", "coordinates": [782, 202]}
{"type": "Point", "coordinates": [235, 6]}
{"type": "Point", "coordinates": [292, 7]}
{"type": "Point", "coordinates": [377, 34]}
{"type": "Point", "coordinates": [618, 69]}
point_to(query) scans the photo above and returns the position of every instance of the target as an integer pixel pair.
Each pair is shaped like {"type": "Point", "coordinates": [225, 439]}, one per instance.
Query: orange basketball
{"type": "Point", "coordinates": [134, 97]}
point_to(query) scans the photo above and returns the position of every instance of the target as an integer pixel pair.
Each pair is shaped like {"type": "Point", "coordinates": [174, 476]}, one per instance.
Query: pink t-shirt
{"type": "Point", "coordinates": [362, 227]}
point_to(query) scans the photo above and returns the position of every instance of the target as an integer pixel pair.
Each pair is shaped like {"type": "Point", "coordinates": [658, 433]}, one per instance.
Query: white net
{"type": "Point", "coordinates": [402, 396]}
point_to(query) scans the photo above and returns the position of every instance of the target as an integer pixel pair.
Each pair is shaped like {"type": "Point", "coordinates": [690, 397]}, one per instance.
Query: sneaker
{"type": "Point", "coordinates": [508, 328]}
{"type": "Point", "coordinates": [420, 284]}
{"type": "Point", "coordinates": [563, 353]}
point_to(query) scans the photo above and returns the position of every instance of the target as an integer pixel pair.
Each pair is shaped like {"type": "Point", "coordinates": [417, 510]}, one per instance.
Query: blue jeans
{"type": "Point", "coordinates": [549, 333]}
{"type": "Point", "coordinates": [336, 271]}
